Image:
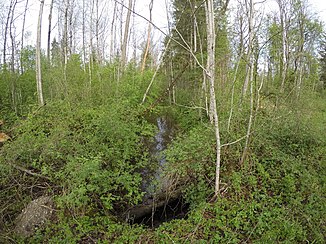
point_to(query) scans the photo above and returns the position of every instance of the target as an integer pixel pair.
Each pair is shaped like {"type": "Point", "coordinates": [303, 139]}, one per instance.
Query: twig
{"type": "Point", "coordinates": [234, 142]}
{"type": "Point", "coordinates": [27, 171]}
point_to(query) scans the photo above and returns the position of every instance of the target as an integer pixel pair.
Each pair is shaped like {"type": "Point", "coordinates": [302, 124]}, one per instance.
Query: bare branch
{"type": "Point", "coordinates": [168, 36]}
{"type": "Point", "coordinates": [27, 171]}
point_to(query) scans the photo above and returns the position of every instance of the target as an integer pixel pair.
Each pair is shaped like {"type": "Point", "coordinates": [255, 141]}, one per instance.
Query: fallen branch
{"type": "Point", "coordinates": [234, 142]}
{"type": "Point", "coordinates": [27, 171]}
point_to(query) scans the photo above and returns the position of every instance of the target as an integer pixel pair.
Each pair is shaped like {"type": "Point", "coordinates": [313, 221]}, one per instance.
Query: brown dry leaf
{"type": "Point", "coordinates": [4, 137]}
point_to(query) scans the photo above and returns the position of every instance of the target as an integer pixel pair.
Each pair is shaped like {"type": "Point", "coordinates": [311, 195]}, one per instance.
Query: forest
{"type": "Point", "coordinates": [114, 129]}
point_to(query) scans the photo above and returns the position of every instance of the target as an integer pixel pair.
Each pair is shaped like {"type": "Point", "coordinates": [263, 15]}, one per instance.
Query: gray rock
{"type": "Point", "coordinates": [35, 215]}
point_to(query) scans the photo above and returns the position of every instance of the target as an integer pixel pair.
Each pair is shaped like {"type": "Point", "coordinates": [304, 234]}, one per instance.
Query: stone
{"type": "Point", "coordinates": [34, 216]}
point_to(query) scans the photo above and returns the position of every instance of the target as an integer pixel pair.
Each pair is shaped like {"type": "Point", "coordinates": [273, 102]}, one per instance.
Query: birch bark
{"type": "Point", "coordinates": [125, 37]}
{"type": "Point", "coordinates": [210, 72]}
{"type": "Point", "coordinates": [38, 57]}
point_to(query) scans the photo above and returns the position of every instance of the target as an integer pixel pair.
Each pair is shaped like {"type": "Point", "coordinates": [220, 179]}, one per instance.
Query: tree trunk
{"type": "Point", "coordinates": [113, 33]}
{"type": "Point", "coordinates": [22, 40]}
{"type": "Point", "coordinates": [249, 77]}
{"type": "Point", "coordinates": [97, 35]}
{"type": "Point", "coordinates": [125, 37]}
{"type": "Point", "coordinates": [84, 37]}
{"type": "Point", "coordinates": [65, 39]}
{"type": "Point", "coordinates": [6, 32]}
{"type": "Point", "coordinates": [249, 65]}
{"type": "Point", "coordinates": [71, 15]}
{"type": "Point", "coordinates": [210, 72]}
{"type": "Point", "coordinates": [12, 58]}
{"type": "Point", "coordinates": [49, 33]}
{"type": "Point", "coordinates": [38, 57]}
{"type": "Point", "coordinates": [12, 38]}
{"type": "Point", "coordinates": [90, 61]}
{"type": "Point", "coordinates": [284, 55]}
{"type": "Point", "coordinates": [148, 36]}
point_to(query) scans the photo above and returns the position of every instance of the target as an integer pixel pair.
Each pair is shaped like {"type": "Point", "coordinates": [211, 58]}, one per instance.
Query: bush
{"type": "Point", "coordinates": [91, 156]}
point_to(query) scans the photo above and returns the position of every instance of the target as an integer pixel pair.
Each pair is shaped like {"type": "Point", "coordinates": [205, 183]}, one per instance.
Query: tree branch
{"type": "Point", "coordinates": [27, 171]}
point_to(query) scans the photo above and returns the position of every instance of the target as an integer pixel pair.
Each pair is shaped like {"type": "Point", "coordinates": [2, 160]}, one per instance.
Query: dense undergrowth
{"type": "Point", "coordinates": [87, 149]}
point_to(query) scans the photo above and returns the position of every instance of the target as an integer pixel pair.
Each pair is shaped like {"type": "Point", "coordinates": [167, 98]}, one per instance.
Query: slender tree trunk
{"type": "Point", "coordinates": [283, 59]}
{"type": "Point", "coordinates": [113, 33]}
{"type": "Point", "coordinates": [211, 38]}
{"type": "Point", "coordinates": [71, 28]}
{"type": "Point", "coordinates": [125, 37]}
{"type": "Point", "coordinates": [65, 39]}
{"type": "Point", "coordinates": [249, 78]}
{"type": "Point", "coordinates": [91, 58]}
{"type": "Point", "coordinates": [12, 59]}
{"type": "Point", "coordinates": [49, 33]}
{"type": "Point", "coordinates": [97, 35]}
{"type": "Point", "coordinates": [22, 39]}
{"type": "Point", "coordinates": [134, 37]}
{"type": "Point", "coordinates": [300, 54]}
{"type": "Point", "coordinates": [6, 31]}
{"type": "Point", "coordinates": [249, 65]}
{"type": "Point", "coordinates": [38, 57]}
{"type": "Point", "coordinates": [148, 36]}
{"type": "Point", "coordinates": [84, 37]}
{"type": "Point", "coordinates": [210, 106]}
{"type": "Point", "coordinates": [12, 38]}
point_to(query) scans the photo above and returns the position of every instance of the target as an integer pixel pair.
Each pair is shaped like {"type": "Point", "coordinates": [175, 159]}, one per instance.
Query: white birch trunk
{"type": "Point", "coordinates": [211, 77]}
{"type": "Point", "coordinates": [49, 32]}
{"type": "Point", "coordinates": [148, 36]}
{"type": "Point", "coordinates": [250, 47]}
{"type": "Point", "coordinates": [125, 37]}
{"type": "Point", "coordinates": [22, 39]}
{"type": "Point", "coordinates": [38, 57]}
{"type": "Point", "coordinates": [249, 78]}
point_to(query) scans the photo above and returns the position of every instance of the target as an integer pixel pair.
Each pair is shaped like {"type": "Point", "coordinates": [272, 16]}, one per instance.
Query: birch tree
{"type": "Point", "coordinates": [38, 57]}
{"type": "Point", "coordinates": [249, 73]}
{"type": "Point", "coordinates": [49, 32]}
{"type": "Point", "coordinates": [210, 72]}
{"type": "Point", "coordinates": [249, 66]}
{"type": "Point", "coordinates": [148, 36]}
{"type": "Point", "coordinates": [65, 38]}
{"type": "Point", "coordinates": [126, 37]}
{"type": "Point", "coordinates": [10, 12]}
{"type": "Point", "coordinates": [22, 37]}
{"type": "Point", "coordinates": [284, 21]}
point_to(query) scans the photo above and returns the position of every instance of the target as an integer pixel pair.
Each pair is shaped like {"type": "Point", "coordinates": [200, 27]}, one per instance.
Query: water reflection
{"type": "Point", "coordinates": [154, 182]}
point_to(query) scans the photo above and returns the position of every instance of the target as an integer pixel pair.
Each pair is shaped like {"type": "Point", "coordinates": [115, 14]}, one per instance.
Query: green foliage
{"type": "Point", "coordinates": [28, 57]}
{"type": "Point", "coordinates": [89, 142]}
{"type": "Point", "coordinates": [191, 160]}
{"type": "Point", "coordinates": [322, 64]}
{"type": "Point", "coordinates": [92, 156]}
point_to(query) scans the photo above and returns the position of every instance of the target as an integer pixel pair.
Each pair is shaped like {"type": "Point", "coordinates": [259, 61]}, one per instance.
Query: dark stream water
{"type": "Point", "coordinates": [154, 181]}
{"type": "Point", "coordinates": [153, 177]}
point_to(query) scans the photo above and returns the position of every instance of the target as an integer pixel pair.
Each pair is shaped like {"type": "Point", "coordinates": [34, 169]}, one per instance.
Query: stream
{"type": "Point", "coordinates": [159, 204]}
{"type": "Point", "coordinates": [153, 178]}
